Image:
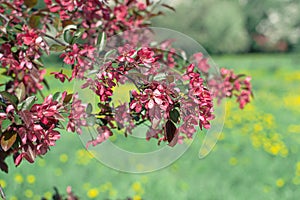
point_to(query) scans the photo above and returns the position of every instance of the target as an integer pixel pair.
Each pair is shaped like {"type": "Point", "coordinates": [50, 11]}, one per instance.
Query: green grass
{"type": "Point", "coordinates": [255, 158]}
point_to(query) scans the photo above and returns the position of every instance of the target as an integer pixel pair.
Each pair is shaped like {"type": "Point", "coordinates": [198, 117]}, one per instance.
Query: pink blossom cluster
{"type": "Point", "coordinates": [231, 85]}
{"type": "Point", "coordinates": [201, 96]}
{"type": "Point", "coordinates": [21, 60]}
{"type": "Point", "coordinates": [76, 30]}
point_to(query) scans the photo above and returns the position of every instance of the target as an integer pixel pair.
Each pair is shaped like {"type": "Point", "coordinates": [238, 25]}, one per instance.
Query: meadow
{"type": "Point", "coordinates": [256, 157]}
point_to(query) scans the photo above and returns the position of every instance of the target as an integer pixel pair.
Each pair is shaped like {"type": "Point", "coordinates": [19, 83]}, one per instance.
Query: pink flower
{"type": "Point", "coordinates": [141, 6]}
{"type": "Point", "coordinates": [28, 38]}
{"type": "Point", "coordinates": [103, 134]}
{"type": "Point", "coordinates": [59, 75]}
{"type": "Point", "coordinates": [201, 62]}
{"type": "Point", "coordinates": [120, 12]}
{"type": "Point", "coordinates": [146, 56]}
{"type": "Point", "coordinates": [77, 116]}
{"type": "Point", "coordinates": [127, 54]}
{"type": "Point", "coordinates": [230, 85]}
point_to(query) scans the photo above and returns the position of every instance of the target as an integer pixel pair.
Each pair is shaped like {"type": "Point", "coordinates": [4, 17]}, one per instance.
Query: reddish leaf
{"type": "Point", "coordinates": [30, 3]}
{"type": "Point", "coordinates": [3, 166]}
{"type": "Point", "coordinates": [68, 98]}
{"type": "Point", "coordinates": [7, 140]}
{"type": "Point", "coordinates": [170, 130]}
{"type": "Point", "coordinates": [175, 139]}
{"type": "Point", "coordinates": [67, 22]}
{"type": "Point", "coordinates": [34, 21]}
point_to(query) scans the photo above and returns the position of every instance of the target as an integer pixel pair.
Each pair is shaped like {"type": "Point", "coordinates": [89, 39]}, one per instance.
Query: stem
{"type": "Point", "coordinates": [54, 39]}
{"type": "Point", "coordinates": [4, 17]}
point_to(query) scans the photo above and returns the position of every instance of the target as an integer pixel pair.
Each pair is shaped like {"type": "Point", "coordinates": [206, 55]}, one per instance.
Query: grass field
{"type": "Point", "coordinates": [256, 157]}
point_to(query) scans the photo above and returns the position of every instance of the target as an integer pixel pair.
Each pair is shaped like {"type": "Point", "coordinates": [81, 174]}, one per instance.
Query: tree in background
{"type": "Point", "coordinates": [230, 26]}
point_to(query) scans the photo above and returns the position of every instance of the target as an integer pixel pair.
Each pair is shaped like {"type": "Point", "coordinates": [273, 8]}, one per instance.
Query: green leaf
{"type": "Point", "coordinates": [79, 32]}
{"type": "Point", "coordinates": [57, 96]}
{"type": "Point", "coordinates": [68, 37]}
{"type": "Point", "coordinates": [89, 109]}
{"type": "Point", "coordinates": [2, 40]}
{"type": "Point", "coordinates": [101, 41]}
{"type": "Point", "coordinates": [60, 125]}
{"type": "Point", "coordinates": [91, 120]}
{"type": "Point", "coordinates": [109, 53]}
{"type": "Point", "coordinates": [20, 92]}
{"type": "Point", "coordinates": [36, 61]}
{"type": "Point", "coordinates": [8, 139]}
{"type": "Point", "coordinates": [11, 98]}
{"type": "Point", "coordinates": [115, 65]}
{"type": "Point", "coordinates": [18, 120]}
{"type": "Point", "coordinates": [5, 124]}
{"type": "Point", "coordinates": [27, 103]}
{"type": "Point", "coordinates": [14, 49]}
{"type": "Point", "coordinates": [57, 48]}
{"type": "Point", "coordinates": [174, 115]}
{"type": "Point", "coordinates": [18, 27]}
{"type": "Point", "coordinates": [2, 104]}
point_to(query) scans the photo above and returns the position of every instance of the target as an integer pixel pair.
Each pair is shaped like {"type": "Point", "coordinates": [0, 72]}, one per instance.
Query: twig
{"type": "Point", "coordinates": [54, 39]}
{"type": "Point", "coordinates": [4, 17]}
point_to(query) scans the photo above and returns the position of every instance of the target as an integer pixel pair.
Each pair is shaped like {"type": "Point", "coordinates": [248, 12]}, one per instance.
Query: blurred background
{"type": "Point", "coordinates": [257, 155]}
{"type": "Point", "coordinates": [237, 26]}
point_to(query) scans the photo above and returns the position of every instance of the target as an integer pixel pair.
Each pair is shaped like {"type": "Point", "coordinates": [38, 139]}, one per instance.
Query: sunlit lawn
{"type": "Point", "coordinates": [257, 156]}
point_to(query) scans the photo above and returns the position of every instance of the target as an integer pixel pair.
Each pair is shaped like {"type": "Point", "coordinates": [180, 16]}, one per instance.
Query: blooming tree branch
{"type": "Point", "coordinates": [77, 31]}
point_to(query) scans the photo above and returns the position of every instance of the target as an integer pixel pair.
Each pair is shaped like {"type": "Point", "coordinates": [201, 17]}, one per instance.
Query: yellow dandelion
{"type": "Point", "coordinates": [18, 178]}
{"type": "Point", "coordinates": [13, 198]}
{"type": "Point", "coordinates": [63, 158]}
{"type": "Point", "coordinates": [48, 195]}
{"type": "Point", "coordinates": [280, 182]}
{"type": "Point", "coordinates": [2, 183]}
{"type": "Point", "coordinates": [137, 197]}
{"type": "Point", "coordinates": [275, 149]}
{"type": "Point", "coordinates": [136, 186]}
{"type": "Point", "coordinates": [28, 193]}
{"type": "Point", "coordinates": [258, 127]}
{"type": "Point", "coordinates": [30, 179]}
{"type": "Point", "coordinates": [233, 161]}
{"type": "Point", "coordinates": [83, 157]}
{"type": "Point", "coordinates": [284, 152]}
{"type": "Point", "coordinates": [93, 193]}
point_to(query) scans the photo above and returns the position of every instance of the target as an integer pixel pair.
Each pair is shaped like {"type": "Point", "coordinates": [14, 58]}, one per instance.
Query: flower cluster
{"type": "Point", "coordinates": [229, 85]}
{"type": "Point", "coordinates": [201, 96]}
{"type": "Point", "coordinates": [77, 31]}
{"type": "Point", "coordinates": [21, 60]}
{"type": "Point", "coordinates": [29, 129]}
